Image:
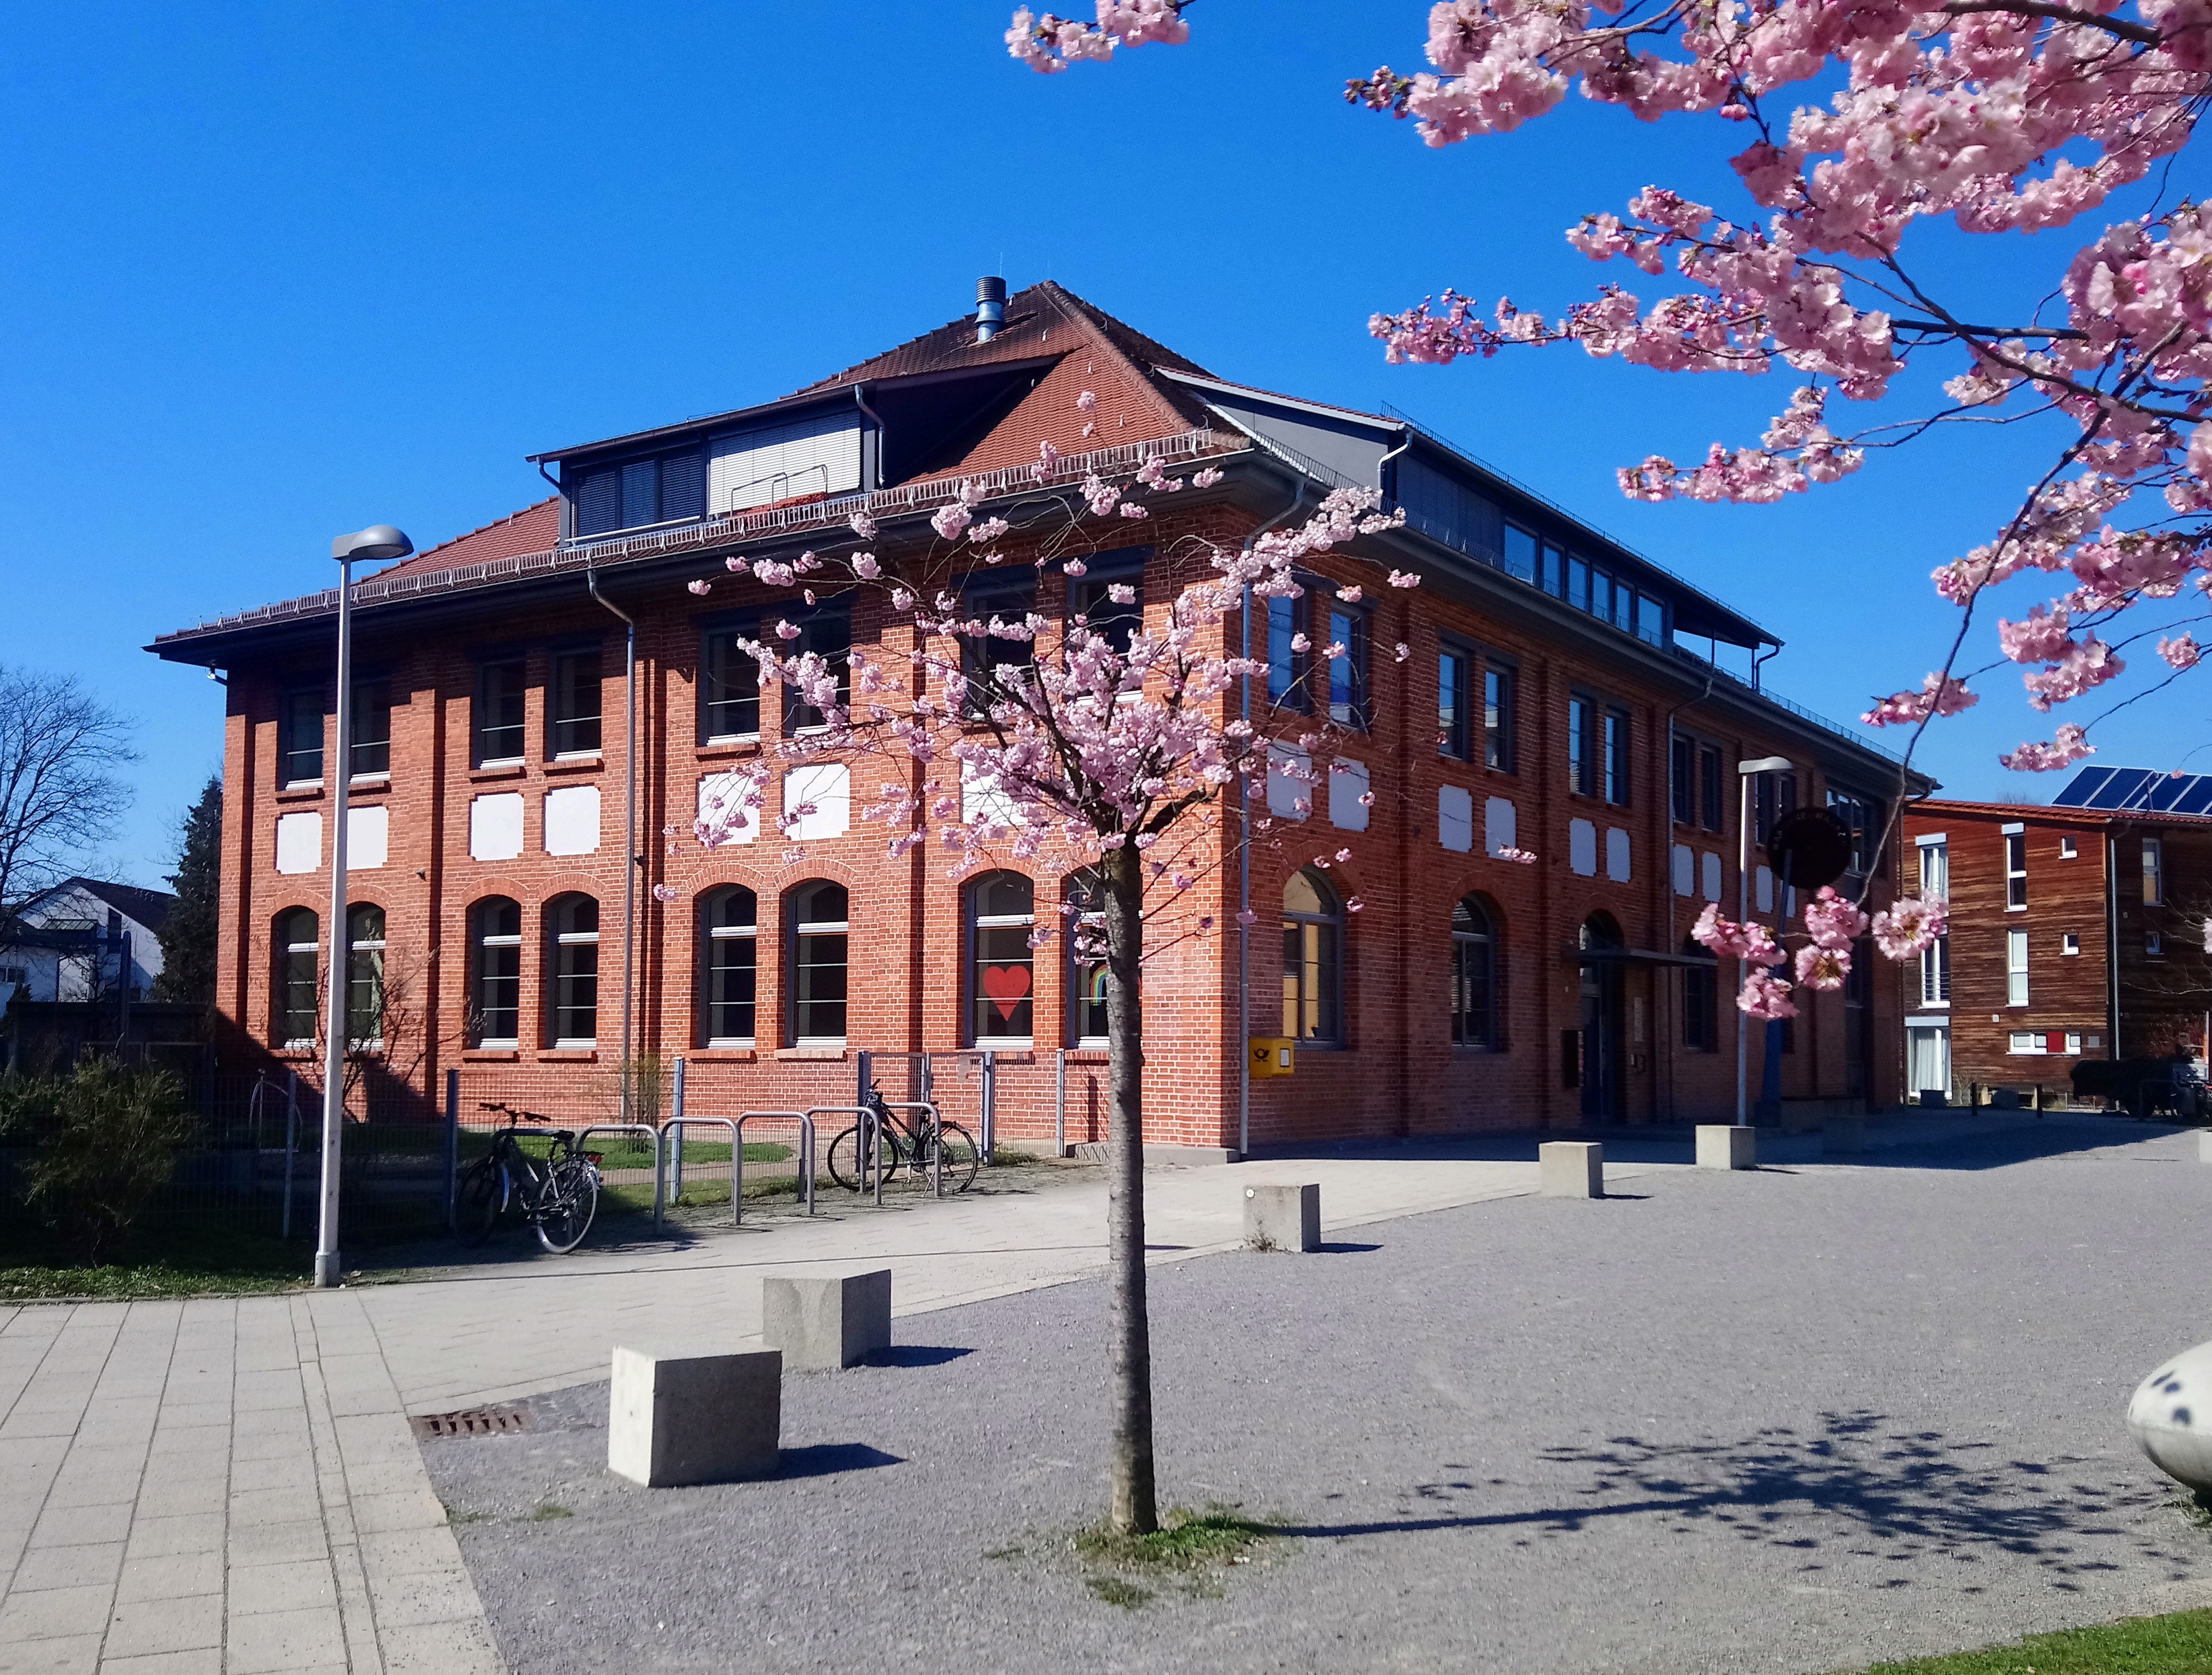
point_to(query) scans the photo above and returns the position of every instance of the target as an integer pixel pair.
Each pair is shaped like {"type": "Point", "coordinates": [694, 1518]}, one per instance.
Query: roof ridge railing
{"type": "Point", "coordinates": [726, 527]}
{"type": "Point", "coordinates": [1863, 741]}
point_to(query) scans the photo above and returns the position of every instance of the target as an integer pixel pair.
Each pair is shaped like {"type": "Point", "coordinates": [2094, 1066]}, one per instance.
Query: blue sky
{"type": "Point", "coordinates": [273, 271]}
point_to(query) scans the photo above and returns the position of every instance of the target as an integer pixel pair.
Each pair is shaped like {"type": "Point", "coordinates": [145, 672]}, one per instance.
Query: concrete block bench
{"type": "Point", "coordinates": [695, 1418]}
{"type": "Point", "coordinates": [1725, 1146]}
{"type": "Point", "coordinates": [827, 1323]}
{"type": "Point", "coordinates": [1283, 1217]}
{"type": "Point", "coordinates": [1570, 1170]}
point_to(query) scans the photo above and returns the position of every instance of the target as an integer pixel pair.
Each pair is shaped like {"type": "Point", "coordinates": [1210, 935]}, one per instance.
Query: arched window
{"type": "Point", "coordinates": [1701, 987]}
{"type": "Point", "coordinates": [732, 934]}
{"type": "Point", "coordinates": [1086, 964]}
{"type": "Point", "coordinates": [572, 924]}
{"type": "Point", "coordinates": [496, 972]}
{"type": "Point", "coordinates": [1001, 974]}
{"type": "Point", "coordinates": [365, 975]}
{"type": "Point", "coordinates": [1475, 973]}
{"type": "Point", "coordinates": [1313, 960]}
{"type": "Point", "coordinates": [817, 915]}
{"type": "Point", "coordinates": [298, 944]}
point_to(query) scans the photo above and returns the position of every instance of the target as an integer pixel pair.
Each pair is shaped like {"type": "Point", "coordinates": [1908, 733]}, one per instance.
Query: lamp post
{"type": "Point", "coordinates": [377, 542]}
{"type": "Point", "coordinates": [1745, 772]}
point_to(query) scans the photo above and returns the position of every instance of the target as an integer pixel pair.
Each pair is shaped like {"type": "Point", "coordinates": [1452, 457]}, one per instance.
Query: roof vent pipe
{"type": "Point", "coordinates": [990, 308]}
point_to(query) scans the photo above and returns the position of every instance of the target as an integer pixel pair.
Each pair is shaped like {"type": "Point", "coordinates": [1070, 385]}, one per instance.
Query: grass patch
{"type": "Point", "coordinates": [1186, 1540]}
{"type": "Point", "coordinates": [2177, 1644]}
{"type": "Point", "coordinates": [1115, 1592]}
{"type": "Point", "coordinates": [550, 1510]}
{"type": "Point", "coordinates": [157, 1259]}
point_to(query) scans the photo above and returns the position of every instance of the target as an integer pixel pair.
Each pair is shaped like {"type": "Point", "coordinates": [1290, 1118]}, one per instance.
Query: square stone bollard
{"type": "Point", "coordinates": [1725, 1146]}
{"type": "Point", "coordinates": [825, 1324]}
{"type": "Point", "coordinates": [1844, 1136]}
{"type": "Point", "coordinates": [675, 1418]}
{"type": "Point", "coordinates": [1571, 1168]}
{"type": "Point", "coordinates": [1281, 1218]}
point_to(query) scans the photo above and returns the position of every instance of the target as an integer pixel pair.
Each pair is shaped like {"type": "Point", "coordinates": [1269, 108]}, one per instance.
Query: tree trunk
{"type": "Point", "coordinates": [1135, 1510]}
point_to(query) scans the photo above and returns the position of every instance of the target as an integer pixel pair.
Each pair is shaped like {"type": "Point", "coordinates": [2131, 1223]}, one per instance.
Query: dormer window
{"type": "Point", "coordinates": [640, 493]}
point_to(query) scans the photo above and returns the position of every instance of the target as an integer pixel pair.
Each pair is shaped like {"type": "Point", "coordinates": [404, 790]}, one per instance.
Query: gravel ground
{"type": "Point", "coordinates": [1788, 1421]}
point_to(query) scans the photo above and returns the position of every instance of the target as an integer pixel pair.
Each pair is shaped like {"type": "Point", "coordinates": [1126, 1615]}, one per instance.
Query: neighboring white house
{"type": "Point", "coordinates": [71, 943]}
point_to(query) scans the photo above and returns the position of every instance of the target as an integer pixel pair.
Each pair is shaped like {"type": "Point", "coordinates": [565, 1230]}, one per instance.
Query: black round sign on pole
{"type": "Point", "coordinates": [1810, 847]}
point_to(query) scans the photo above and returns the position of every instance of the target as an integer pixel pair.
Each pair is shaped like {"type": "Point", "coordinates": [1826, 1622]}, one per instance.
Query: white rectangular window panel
{"type": "Point", "coordinates": [1762, 890]}
{"type": "Point", "coordinates": [824, 790]}
{"type": "Point", "coordinates": [1287, 790]}
{"type": "Point", "coordinates": [298, 842]}
{"type": "Point", "coordinates": [572, 821]}
{"type": "Point", "coordinates": [724, 801]}
{"type": "Point", "coordinates": [1616, 853]}
{"type": "Point", "coordinates": [2026, 1040]}
{"type": "Point", "coordinates": [368, 838]}
{"type": "Point", "coordinates": [1454, 819]}
{"type": "Point", "coordinates": [1347, 783]}
{"type": "Point", "coordinates": [1686, 870]}
{"type": "Point", "coordinates": [1501, 826]}
{"type": "Point", "coordinates": [2015, 967]}
{"type": "Point", "coordinates": [495, 825]}
{"type": "Point", "coordinates": [817, 456]}
{"type": "Point", "coordinates": [1712, 877]}
{"type": "Point", "coordinates": [1582, 848]}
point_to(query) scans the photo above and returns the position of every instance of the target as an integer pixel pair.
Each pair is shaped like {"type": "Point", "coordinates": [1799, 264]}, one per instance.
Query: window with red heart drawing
{"type": "Point", "coordinates": [1002, 973]}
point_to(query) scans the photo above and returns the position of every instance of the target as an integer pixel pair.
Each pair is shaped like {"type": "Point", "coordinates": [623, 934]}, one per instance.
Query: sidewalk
{"type": "Point", "coordinates": [231, 1487]}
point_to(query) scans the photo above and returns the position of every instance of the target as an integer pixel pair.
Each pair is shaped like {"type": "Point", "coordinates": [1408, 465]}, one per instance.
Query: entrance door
{"type": "Point", "coordinates": [1927, 1059]}
{"type": "Point", "coordinates": [1601, 1020]}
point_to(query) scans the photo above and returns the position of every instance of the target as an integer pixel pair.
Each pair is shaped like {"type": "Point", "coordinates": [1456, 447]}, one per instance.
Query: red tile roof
{"type": "Point", "coordinates": [1932, 811]}
{"type": "Point", "coordinates": [535, 529]}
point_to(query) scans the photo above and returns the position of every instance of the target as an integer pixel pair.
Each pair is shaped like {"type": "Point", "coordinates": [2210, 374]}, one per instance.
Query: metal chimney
{"type": "Point", "coordinates": [990, 308]}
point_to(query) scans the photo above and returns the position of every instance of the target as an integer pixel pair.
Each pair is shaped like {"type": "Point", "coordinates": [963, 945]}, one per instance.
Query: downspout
{"type": "Point", "coordinates": [1758, 658]}
{"type": "Point", "coordinates": [631, 859]}
{"type": "Point", "coordinates": [2112, 943]}
{"type": "Point", "coordinates": [1665, 881]}
{"type": "Point", "coordinates": [1245, 866]}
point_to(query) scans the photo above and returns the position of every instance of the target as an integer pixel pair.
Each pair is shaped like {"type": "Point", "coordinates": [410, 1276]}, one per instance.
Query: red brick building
{"type": "Point", "coordinates": [2075, 933]}
{"type": "Point", "coordinates": [1550, 702]}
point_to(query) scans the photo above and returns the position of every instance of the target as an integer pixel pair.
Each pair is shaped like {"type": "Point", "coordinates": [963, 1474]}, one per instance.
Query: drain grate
{"type": "Point", "coordinates": [471, 1422]}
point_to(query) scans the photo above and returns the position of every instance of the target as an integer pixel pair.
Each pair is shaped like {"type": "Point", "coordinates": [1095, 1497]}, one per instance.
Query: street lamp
{"type": "Point", "coordinates": [1745, 772]}
{"type": "Point", "coordinates": [377, 542]}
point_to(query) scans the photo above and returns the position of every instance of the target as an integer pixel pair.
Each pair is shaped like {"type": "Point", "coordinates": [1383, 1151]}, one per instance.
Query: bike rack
{"type": "Point", "coordinates": [651, 1133]}
{"type": "Point", "coordinates": [676, 1125]}
{"type": "Point", "coordinates": [805, 1121]}
{"type": "Point", "coordinates": [873, 1127]}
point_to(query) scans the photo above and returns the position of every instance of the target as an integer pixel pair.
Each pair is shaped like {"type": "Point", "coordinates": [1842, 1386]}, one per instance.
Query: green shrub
{"type": "Point", "coordinates": [107, 1137]}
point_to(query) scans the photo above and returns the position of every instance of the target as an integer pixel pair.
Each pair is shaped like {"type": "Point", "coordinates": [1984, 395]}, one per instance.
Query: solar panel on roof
{"type": "Point", "coordinates": [2197, 799]}
{"type": "Point", "coordinates": [2123, 790]}
{"type": "Point", "coordinates": [2079, 789]}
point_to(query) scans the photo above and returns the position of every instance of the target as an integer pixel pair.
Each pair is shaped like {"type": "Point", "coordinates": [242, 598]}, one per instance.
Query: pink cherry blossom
{"type": "Point", "coordinates": [701, 588]}
{"type": "Point", "coordinates": [1518, 856]}
{"type": "Point", "coordinates": [1907, 926]}
{"type": "Point", "coordinates": [665, 892]}
{"type": "Point", "coordinates": [1832, 921]}
{"type": "Point", "coordinates": [2181, 651]}
{"type": "Point", "coordinates": [1820, 966]}
{"type": "Point", "coordinates": [1765, 996]}
{"type": "Point", "coordinates": [2068, 746]}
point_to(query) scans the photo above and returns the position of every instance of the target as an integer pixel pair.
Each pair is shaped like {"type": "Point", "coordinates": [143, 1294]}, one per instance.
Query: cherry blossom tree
{"type": "Point", "coordinates": [1106, 745]}
{"type": "Point", "coordinates": [1995, 116]}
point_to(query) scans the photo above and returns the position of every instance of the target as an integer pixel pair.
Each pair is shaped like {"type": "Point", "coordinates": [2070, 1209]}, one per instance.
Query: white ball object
{"type": "Point", "coordinates": [2169, 1416]}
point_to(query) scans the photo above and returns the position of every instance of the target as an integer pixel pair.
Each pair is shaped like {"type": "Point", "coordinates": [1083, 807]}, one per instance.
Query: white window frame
{"type": "Point", "coordinates": [2015, 842]}
{"type": "Point", "coordinates": [2070, 942]}
{"type": "Point", "coordinates": [2154, 872]}
{"type": "Point", "coordinates": [2015, 967]}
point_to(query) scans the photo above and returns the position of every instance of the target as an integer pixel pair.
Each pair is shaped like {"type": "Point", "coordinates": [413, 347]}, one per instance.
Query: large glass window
{"type": "Point", "coordinates": [733, 939]}
{"type": "Point", "coordinates": [818, 914]}
{"type": "Point", "coordinates": [1701, 1019]}
{"type": "Point", "coordinates": [1008, 601]}
{"type": "Point", "coordinates": [1313, 959]}
{"type": "Point", "coordinates": [501, 694]}
{"type": "Point", "coordinates": [2153, 872]}
{"type": "Point", "coordinates": [1287, 665]}
{"type": "Point", "coordinates": [298, 977]}
{"type": "Point", "coordinates": [496, 972]}
{"type": "Point", "coordinates": [1116, 620]}
{"type": "Point", "coordinates": [1709, 786]}
{"type": "Point", "coordinates": [1863, 815]}
{"type": "Point", "coordinates": [572, 703]}
{"type": "Point", "coordinates": [1001, 977]}
{"type": "Point", "coordinates": [1347, 670]}
{"type": "Point", "coordinates": [370, 723]}
{"type": "Point", "coordinates": [1581, 746]}
{"type": "Point", "coordinates": [1616, 755]}
{"type": "Point", "coordinates": [299, 737]}
{"type": "Point", "coordinates": [1772, 796]}
{"type": "Point", "coordinates": [1521, 553]}
{"type": "Point", "coordinates": [1500, 721]}
{"type": "Point", "coordinates": [574, 921]}
{"type": "Point", "coordinates": [1453, 694]}
{"type": "Point", "coordinates": [637, 493]}
{"type": "Point", "coordinates": [2015, 967]}
{"type": "Point", "coordinates": [365, 976]}
{"type": "Point", "coordinates": [1475, 973]}
{"type": "Point", "coordinates": [1682, 778]}
{"type": "Point", "coordinates": [729, 687]}
{"type": "Point", "coordinates": [1086, 964]}
{"type": "Point", "coordinates": [829, 635]}
{"type": "Point", "coordinates": [1936, 958]}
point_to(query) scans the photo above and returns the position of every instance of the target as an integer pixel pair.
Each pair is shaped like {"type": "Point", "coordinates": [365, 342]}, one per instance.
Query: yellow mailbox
{"type": "Point", "coordinates": [1271, 1055]}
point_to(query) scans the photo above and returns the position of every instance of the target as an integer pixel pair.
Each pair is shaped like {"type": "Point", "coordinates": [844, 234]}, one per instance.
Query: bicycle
{"type": "Point", "coordinates": [557, 1195]}
{"type": "Point", "coordinates": [913, 1142]}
